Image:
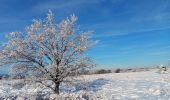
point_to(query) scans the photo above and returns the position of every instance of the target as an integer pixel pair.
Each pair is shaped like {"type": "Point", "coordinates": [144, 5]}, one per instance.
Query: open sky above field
{"type": "Point", "coordinates": [131, 33]}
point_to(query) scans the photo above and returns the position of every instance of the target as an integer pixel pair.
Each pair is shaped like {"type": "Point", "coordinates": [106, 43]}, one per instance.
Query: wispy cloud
{"type": "Point", "coordinates": [113, 34]}
{"type": "Point", "coordinates": [64, 4]}
{"type": "Point", "coordinates": [7, 20]}
{"type": "Point", "coordinates": [160, 53]}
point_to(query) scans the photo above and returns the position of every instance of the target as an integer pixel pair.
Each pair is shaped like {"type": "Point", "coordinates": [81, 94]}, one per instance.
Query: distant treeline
{"type": "Point", "coordinates": [96, 71]}
{"type": "Point", "coordinates": [118, 70]}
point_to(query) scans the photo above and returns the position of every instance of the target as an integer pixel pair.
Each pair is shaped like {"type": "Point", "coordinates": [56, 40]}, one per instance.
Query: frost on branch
{"type": "Point", "coordinates": [48, 50]}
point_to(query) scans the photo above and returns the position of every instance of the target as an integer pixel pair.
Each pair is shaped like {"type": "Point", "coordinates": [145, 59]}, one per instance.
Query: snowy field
{"type": "Point", "coordinates": [148, 85]}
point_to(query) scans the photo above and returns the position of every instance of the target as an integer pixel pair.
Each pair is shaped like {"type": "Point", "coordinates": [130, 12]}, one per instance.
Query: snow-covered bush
{"type": "Point", "coordinates": [162, 69]}
{"type": "Point", "coordinates": [18, 85]}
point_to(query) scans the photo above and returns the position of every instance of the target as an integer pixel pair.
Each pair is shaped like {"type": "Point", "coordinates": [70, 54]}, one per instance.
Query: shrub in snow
{"type": "Point", "coordinates": [162, 69]}
{"type": "Point", "coordinates": [73, 96]}
{"type": "Point", "coordinates": [117, 70]}
{"type": "Point", "coordinates": [18, 85]}
{"type": "Point", "coordinates": [102, 71]}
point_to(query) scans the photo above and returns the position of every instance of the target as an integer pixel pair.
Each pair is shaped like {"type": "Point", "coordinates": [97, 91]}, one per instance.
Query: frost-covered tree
{"type": "Point", "coordinates": [48, 50]}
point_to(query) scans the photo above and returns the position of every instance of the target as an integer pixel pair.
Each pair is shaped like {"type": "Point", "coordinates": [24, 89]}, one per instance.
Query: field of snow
{"type": "Point", "coordinates": [148, 85]}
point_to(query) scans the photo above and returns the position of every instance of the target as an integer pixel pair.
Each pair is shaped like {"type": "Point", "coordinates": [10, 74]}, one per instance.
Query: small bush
{"type": "Point", "coordinates": [102, 71]}
{"type": "Point", "coordinates": [117, 70]}
{"type": "Point", "coordinates": [18, 85]}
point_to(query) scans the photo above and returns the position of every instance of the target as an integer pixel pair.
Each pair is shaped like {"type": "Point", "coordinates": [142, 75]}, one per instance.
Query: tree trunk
{"type": "Point", "coordinates": [57, 89]}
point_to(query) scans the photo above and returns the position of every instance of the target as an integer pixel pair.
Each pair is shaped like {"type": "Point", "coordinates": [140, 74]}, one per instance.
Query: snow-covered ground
{"type": "Point", "coordinates": [148, 85]}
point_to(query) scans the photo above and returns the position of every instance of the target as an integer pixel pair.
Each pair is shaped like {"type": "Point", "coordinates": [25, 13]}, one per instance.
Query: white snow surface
{"type": "Point", "coordinates": [148, 85]}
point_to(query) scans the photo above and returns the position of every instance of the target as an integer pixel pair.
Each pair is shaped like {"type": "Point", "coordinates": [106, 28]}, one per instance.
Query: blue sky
{"type": "Point", "coordinates": [131, 33]}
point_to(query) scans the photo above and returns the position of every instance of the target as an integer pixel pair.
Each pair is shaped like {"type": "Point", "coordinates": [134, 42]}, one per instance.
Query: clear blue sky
{"type": "Point", "coordinates": [132, 33]}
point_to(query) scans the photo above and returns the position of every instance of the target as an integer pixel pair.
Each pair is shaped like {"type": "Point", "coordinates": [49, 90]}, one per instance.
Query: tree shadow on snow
{"type": "Point", "coordinates": [94, 85]}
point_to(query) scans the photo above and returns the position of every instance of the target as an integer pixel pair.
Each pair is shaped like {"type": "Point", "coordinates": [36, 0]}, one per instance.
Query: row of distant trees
{"type": "Point", "coordinates": [83, 72]}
